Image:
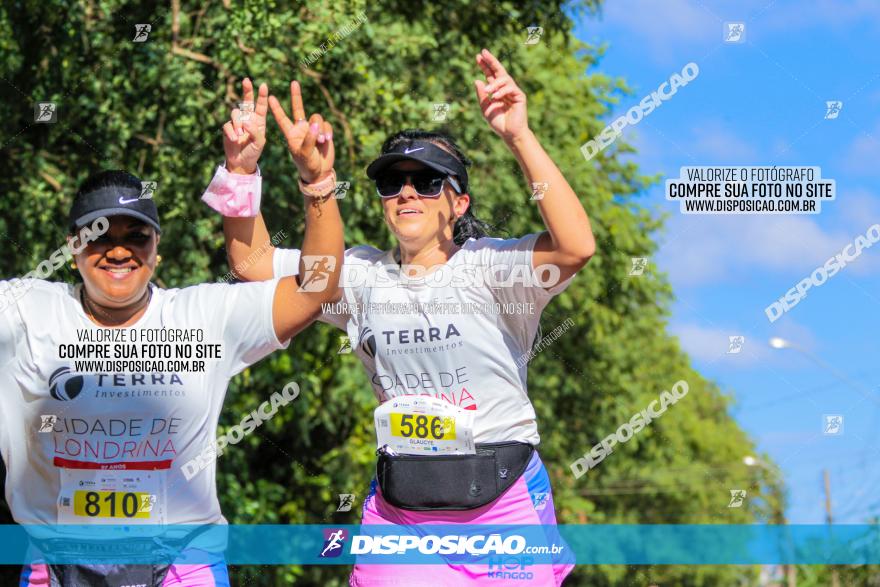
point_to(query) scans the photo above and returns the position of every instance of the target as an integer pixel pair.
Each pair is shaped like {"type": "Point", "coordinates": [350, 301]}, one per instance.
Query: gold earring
{"type": "Point", "coordinates": [158, 259]}
{"type": "Point", "coordinates": [73, 265]}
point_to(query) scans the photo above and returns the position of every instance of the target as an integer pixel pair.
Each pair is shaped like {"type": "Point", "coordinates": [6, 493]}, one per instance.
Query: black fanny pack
{"type": "Point", "coordinates": [157, 554]}
{"type": "Point", "coordinates": [451, 482]}
{"type": "Point", "coordinates": [108, 575]}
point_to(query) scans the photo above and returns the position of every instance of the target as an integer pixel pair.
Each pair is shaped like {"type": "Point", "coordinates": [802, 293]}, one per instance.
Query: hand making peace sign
{"type": "Point", "coordinates": [243, 141]}
{"type": "Point", "coordinates": [503, 103]}
{"type": "Point", "coordinates": [310, 143]}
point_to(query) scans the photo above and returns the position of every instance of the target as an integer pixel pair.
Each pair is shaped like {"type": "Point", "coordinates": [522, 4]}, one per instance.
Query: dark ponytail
{"type": "Point", "coordinates": [468, 226]}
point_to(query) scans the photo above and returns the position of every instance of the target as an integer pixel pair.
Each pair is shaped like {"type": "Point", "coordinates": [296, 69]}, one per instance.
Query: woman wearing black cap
{"type": "Point", "coordinates": [97, 424]}
{"type": "Point", "coordinates": [444, 324]}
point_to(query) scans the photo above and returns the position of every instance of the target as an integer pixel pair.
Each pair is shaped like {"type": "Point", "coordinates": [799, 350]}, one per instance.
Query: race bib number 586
{"type": "Point", "coordinates": [422, 425]}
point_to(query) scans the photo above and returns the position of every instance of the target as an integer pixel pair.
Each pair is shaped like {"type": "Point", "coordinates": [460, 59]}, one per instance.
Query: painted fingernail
{"type": "Point", "coordinates": [329, 135]}
{"type": "Point", "coordinates": [321, 138]}
{"type": "Point", "coordinates": [314, 128]}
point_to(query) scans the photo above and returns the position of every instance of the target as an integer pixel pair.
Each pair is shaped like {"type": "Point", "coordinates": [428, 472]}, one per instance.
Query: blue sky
{"type": "Point", "coordinates": [762, 102]}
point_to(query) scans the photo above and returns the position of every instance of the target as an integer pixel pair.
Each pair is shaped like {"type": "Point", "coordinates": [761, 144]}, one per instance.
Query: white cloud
{"type": "Point", "coordinates": [669, 26]}
{"type": "Point", "coordinates": [863, 153]}
{"type": "Point", "coordinates": [700, 249]}
{"type": "Point", "coordinates": [712, 141]}
{"type": "Point", "coordinates": [784, 149]}
{"type": "Point", "coordinates": [711, 344]}
{"type": "Point", "coordinates": [663, 26]}
{"type": "Point", "coordinates": [861, 205]}
{"type": "Point", "coordinates": [705, 249]}
{"type": "Point", "coordinates": [715, 141]}
{"type": "Point", "coordinates": [861, 209]}
{"type": "Point", "coordinates": [650, 151]}
{"type": "Point", "coordinates": [835, 14]}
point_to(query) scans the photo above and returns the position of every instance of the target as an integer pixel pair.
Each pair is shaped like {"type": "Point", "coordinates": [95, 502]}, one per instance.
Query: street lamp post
{"type": "Point", "coordinates": [778, 508]}
{"type": "Point", "coordinates": [781, 343]}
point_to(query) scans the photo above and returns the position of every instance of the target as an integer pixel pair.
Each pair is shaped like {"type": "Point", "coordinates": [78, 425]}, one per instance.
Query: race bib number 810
{"type": "Point", "coordinates": [112, 504]}
{"type": "Point", "coordinates": [133, 497]}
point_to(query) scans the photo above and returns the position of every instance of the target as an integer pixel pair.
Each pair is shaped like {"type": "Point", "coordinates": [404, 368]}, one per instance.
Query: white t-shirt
{"type": "Point", "coordinates": [125, 433]}
{"type": "Point", "coordinates": [462, 349]}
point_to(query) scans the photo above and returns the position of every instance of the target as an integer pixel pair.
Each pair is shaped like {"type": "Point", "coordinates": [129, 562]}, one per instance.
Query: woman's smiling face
{"type": "Point", "coordinates": [412, 217]}
{"type": "Point", "coordinates": [117, 267]}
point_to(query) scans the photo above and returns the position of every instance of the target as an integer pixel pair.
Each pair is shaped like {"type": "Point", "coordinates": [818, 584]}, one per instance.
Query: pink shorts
{"type": "Point", "coordinates": [529, 501]}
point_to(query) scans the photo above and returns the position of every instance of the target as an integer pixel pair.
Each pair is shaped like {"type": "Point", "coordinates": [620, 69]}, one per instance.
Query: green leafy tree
{"type": "Point", "coordinates": [156, 108]}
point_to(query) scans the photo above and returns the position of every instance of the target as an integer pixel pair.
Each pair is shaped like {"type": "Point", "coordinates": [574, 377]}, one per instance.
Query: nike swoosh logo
{"type": "Point", "coordinates": [407, 151]}
{"type": "Point", "coordinates": [124, 201]}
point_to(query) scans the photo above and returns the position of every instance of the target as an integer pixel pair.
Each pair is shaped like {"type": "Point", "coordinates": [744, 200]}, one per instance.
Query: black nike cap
{"type": "Point", "coordinates": [426, 153]}
{"type": "Point", "coordinates": [115, 198]}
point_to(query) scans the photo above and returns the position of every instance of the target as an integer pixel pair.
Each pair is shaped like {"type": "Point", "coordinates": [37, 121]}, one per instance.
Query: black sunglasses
{"type": "Point", "coordinates": [427, 183]}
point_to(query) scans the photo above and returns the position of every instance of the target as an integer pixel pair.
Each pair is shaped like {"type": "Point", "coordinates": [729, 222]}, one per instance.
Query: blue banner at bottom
{"type": "Point", "coordinates": [491, 545]}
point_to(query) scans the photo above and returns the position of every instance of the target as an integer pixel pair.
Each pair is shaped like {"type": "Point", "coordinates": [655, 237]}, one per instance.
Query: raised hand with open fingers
{"type": "Point", "coordinates": [310, 141]}
{"type": "Point", "coordinates": [502, 102]}
{"type": "Point", "coordinates": [244, 136]}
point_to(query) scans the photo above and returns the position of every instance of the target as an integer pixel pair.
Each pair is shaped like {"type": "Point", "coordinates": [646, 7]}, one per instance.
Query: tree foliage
{"type": "Point", "coordinates": [156, 108]}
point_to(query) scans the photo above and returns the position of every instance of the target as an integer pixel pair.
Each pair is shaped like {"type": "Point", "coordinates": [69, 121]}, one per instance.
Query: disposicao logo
{"type": "Point", "coordinates": [334, 540]}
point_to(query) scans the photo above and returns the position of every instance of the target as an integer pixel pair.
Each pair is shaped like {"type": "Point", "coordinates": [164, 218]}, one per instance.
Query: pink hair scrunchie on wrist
{"type": "Point", "coordinates": [233, 194]}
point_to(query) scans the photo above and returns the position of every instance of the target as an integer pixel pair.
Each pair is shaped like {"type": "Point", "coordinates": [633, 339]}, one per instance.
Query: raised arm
{"type": "Point", "coordinates": [248, 246]}
{"type": "Point", "coordinates": [297, 300]}
{"type": "Point", "coordinates": [311, 145]}
{"type": "Point", "coordinates": [568, 242]}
